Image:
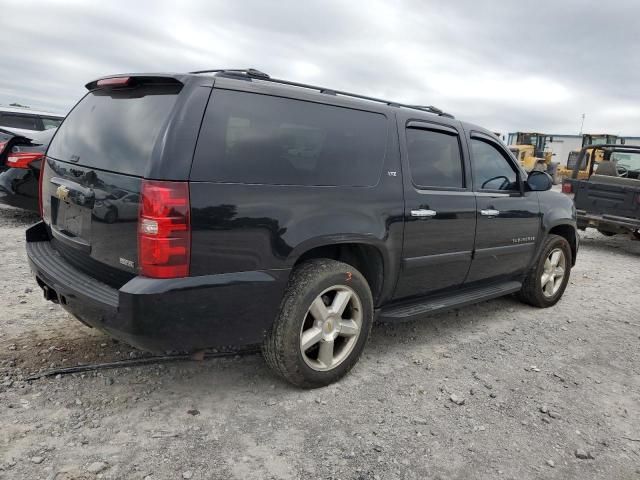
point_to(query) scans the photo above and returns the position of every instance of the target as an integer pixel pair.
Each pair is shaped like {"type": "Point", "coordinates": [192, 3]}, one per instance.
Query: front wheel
{"type": "Point", "coordinates": [546, 281]}
{"type": "Point", "coordinates": [111, 216]}
{"type": "Point", "coordinates": [323, 325]}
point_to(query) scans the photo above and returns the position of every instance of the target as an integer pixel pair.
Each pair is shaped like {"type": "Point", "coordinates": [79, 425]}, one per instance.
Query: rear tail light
{"type": "Point", "coordinates": [22, 159]}
{"type": "Point", "coordinates": [164, 230]}
{"type": "Point", "coordinates": [567, 188]}
{"type": "Point", "coordinates": [114, 82]}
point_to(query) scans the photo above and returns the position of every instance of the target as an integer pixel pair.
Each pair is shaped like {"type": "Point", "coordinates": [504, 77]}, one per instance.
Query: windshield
{"type": "Point", "coordinates": [573, 159]}
{"type": "Point", "coordinates": [630, 161]}
{"type": "Point", "coordinates": [527, 139]}
{"type": "Point", "coordinates": [599, 140]}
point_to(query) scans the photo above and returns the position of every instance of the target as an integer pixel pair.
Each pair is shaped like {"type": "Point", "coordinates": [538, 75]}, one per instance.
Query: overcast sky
{"type": "Point", "coordinates": [507, 65]}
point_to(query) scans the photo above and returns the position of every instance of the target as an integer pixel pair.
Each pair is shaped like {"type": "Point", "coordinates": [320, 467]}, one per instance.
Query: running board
{"type": "Point", "coordinates": [410, 311]}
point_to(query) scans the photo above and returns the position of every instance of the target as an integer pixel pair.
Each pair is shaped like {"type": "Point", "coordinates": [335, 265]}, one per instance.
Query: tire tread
{"type": "Point", "coordinates": [274, 348]}
{"type": "Point", "coordinates": [530, 292]}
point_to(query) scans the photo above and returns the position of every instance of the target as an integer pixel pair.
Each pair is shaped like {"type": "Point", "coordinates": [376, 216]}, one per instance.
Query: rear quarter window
{"type": "Point", "coordinates": [260, 139]}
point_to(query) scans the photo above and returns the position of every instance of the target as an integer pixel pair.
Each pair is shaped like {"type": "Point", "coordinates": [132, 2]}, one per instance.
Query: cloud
{"type": "Point", "coordinates": [505, 65]}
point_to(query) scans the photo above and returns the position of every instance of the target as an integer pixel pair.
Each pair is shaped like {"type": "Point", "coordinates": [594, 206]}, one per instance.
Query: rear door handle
{"type": "Point", "coordinates": [490, 212]}
{"type": "Point", "coordinates": [423, 213]}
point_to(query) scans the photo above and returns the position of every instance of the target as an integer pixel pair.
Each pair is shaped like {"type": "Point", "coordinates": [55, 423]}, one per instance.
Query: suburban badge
{"type": "Point", "coordinates": [127, 263]}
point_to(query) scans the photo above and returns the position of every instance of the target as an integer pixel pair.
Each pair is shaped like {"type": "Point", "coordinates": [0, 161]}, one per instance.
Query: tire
{"type": "Point", "coordinates": [313, 282]}
{"type": "Point", "coordinates": [607, 233]}
{"type": "Point", "coordinates": [532, 291]}
{"type": "Point", "coordinates": [111, 216]}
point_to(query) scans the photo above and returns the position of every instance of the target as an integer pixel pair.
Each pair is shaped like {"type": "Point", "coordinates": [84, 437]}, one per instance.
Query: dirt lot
{"type": "Point", "coordinates": [535, 390]}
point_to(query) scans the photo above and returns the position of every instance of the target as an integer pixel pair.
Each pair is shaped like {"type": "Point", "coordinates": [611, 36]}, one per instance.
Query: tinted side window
{"type": "Point", "coordinates": [492, 171]}
{"type": "Point", "coordinates": [434, 158]}
{"type": "Point", "coordinates": [26, 122]}
{"type": "Point", "coordinates": [252, 138]}
{"type": "Point", "coordinates": [51, 122]}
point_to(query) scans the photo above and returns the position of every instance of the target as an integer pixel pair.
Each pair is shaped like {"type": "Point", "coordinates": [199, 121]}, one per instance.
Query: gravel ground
{"type": "Point", "coordinates": [497, 390]}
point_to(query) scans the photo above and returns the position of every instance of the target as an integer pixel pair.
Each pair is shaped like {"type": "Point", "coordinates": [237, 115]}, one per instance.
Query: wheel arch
{"type": "Point", "coordinates": [366, 257]}
{"type": "Point", "coordinates": [569, 233]}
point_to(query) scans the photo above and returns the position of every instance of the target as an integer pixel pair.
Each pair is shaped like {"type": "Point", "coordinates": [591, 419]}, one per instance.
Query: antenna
{"type": "Point", "coordinates": [582, 124]}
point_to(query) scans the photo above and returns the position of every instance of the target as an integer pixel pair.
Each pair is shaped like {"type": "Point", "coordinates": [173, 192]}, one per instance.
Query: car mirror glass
{"type": "Point", "coordinates": [539, 181]}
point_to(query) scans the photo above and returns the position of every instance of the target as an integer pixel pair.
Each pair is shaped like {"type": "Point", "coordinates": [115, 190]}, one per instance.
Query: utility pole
{"type": "Point", "coordinates": [582, 124]}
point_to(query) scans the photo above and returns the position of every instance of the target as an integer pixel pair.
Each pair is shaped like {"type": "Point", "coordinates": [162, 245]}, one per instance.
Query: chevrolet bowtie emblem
{"type": "Point", "coordinates": [62, 193]}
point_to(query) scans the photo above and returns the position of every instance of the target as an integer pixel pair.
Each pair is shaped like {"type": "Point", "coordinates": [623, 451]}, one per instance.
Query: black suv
{"type": "Point", "coordinates": [190, 211]}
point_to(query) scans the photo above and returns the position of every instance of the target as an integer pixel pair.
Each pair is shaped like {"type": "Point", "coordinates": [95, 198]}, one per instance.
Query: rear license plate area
{"type": "Point", "coordinates": [70, 219]}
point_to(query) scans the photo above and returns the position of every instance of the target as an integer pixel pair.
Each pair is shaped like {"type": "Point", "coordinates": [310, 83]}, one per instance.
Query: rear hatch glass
{"type": "Point", "coordinates": [91, 184]}
{"type": "Point", "coordinates": [115, 130]}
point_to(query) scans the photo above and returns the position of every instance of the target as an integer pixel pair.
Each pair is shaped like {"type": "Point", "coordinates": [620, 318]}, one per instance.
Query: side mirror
{"type": "Point", "coordinates": [538, 181]}
{"type": "Point", "coordinates": [550, 139]}
{"type": "Point", "coordinates": [622, 141]}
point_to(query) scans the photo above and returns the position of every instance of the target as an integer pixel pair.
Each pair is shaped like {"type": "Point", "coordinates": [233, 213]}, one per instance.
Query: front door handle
{"type": "Point", "coordinates": [490, 212]}
{"type": "Point", "coordinates": [423, 213]}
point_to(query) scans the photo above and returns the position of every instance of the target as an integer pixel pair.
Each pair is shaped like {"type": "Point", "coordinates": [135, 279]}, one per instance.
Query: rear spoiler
{"type": "Point", "coordinates": [128, 80]}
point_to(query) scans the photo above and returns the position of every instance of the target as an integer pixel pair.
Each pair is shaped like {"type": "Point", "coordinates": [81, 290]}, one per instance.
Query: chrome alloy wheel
{"type": "Point", "coordinates": [331, 328]}
{"type": "Point", "coordinates": [553, 272]}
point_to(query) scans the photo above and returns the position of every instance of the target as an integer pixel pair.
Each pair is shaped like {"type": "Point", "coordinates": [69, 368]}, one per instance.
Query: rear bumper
{"type": "Point", "coordinates": [185, 314]}
{"type": "Point", "coordinates": [603, 220]}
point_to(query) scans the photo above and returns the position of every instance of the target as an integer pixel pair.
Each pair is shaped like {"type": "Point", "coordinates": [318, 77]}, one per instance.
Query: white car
{"type": "Point", "coordinates": [24, 121]}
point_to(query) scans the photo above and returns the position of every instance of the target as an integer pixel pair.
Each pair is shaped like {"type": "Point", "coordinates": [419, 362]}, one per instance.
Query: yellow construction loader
{"type": "Point", "coordinates": [531, 151]}
{"type": "Point", "coordinates": [589, 156]}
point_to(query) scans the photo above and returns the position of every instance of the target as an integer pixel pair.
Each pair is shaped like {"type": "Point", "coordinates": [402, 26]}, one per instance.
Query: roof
{"type": "Point", "coordinates": [252, 80]}
{"type": "Point", "coordinates": [31, 111]}
{"type": "Point", "coordinates": [579, 136]}
{"type": "Point", "coordinates": [253, 74]}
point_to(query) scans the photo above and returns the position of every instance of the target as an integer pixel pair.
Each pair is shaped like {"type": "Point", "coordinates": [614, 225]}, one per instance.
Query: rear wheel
{"type": "Point", "coordinates": [323, 325]}
{"type": "Point", "coordinates": [546, 281]}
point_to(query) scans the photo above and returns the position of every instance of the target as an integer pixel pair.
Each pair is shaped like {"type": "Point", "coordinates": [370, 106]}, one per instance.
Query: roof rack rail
{"type": "Point", "coordinates": [250, 73]}
{"type": "Point", "coordinates": [246, 72]}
